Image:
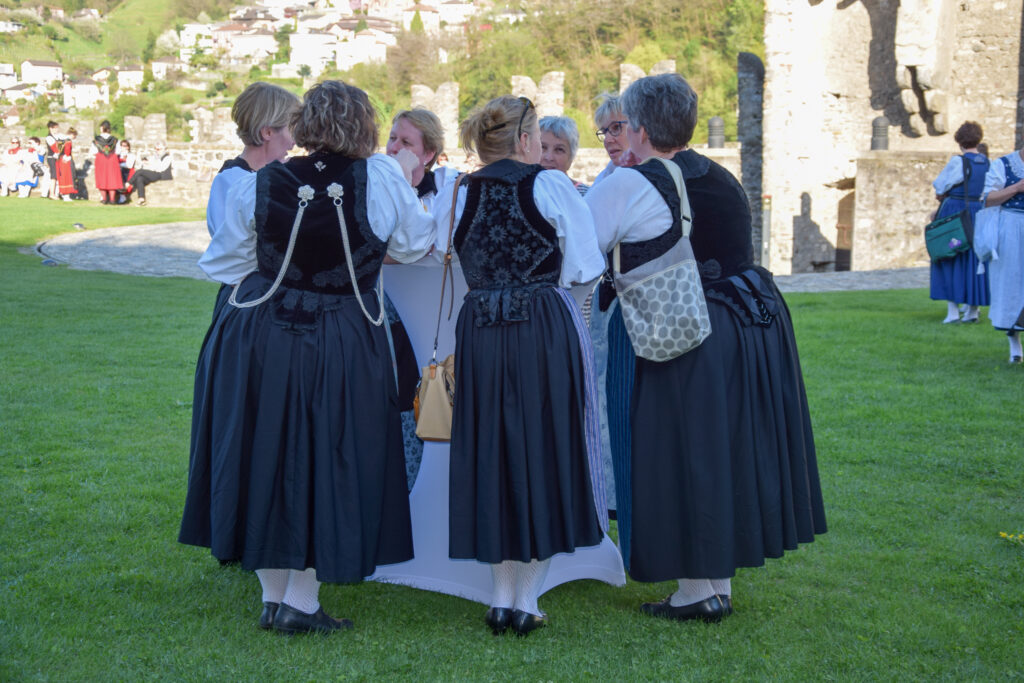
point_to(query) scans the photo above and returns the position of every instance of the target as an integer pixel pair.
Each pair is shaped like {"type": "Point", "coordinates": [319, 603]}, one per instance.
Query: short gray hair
{"type": "Point", "coordinates": [610, 107]}
{"type": "Point", "coordinates": [563, 128]}
{"type": "Point", "coordinates": [665, 106]}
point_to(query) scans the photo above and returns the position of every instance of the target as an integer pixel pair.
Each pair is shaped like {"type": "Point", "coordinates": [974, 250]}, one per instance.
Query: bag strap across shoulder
{"type": "Point", "coordinates": [685, 214]}
{"type": "Point", "coordinates": [446, 271]}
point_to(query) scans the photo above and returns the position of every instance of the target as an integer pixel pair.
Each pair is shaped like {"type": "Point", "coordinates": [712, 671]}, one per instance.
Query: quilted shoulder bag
{"type": "Point", "coordinates": [662, 300]}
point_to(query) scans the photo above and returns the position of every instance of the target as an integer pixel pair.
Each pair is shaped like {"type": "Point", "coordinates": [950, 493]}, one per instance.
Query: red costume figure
{"type": "Point", "coordinates": [65, 167]}
{"type": "Point", "coordinates": [108, 166]}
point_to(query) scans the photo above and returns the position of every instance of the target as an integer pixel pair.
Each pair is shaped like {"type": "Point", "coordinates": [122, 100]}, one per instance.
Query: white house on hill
{"type": "Point", "coordinates": [86, 94]}
{"type": "Point", "coordinates": [41, 72]}
{"type": "Point", "coordinates": [162, 66]}
{"type": "Point", "coordinates": [129, 78]}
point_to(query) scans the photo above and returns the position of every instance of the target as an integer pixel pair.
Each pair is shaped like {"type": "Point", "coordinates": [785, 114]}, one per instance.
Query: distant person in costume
{"type": "Point", "coordinates": [959, 186]}
{"type": "Point", "coordinates": [108, 166]}
{"type": "Point", "coordinates": [65, 164]}
{"type": "Point", "coordinates": [52, 141]}
{"type": "Point", "coordinates": [155, 167]}
{"type": "Point", "coordinates": [999, 241]}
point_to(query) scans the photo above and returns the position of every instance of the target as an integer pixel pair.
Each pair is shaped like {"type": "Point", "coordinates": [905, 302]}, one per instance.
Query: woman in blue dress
{"type": "Point", "coordinates": [956, 280]}
{"type": "Point", "coordinates": [999, 241]}
{"type": "Point", "coordinates": [520, 481]}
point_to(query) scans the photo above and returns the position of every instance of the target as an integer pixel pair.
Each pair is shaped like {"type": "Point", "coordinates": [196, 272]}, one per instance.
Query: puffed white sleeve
{"type": "Point", "coordinates": [395, 213]}
{"type": "Point", "coordinates": [232, 251]}
{"type": "Point", "coordinates": [995, 179]}
{"type": "Point", "coordinates": [951, 175]}
{"type": "Point", "coordinates": [560, 203]}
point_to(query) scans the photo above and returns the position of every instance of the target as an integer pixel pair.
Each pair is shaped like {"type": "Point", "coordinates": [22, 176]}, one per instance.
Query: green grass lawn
{"type": "Point", "coordinates": [919, 445]}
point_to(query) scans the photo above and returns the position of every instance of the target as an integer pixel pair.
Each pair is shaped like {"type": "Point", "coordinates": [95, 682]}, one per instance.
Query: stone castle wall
{"type": "Point", "coordinates": [831, 68]}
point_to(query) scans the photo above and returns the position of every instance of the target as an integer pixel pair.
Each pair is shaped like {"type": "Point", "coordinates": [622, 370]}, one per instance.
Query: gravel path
{"type": "Point", "coordinates": [172, 249]}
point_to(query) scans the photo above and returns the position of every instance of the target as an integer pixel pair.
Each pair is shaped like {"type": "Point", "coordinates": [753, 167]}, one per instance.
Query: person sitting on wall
{"type": "Point", "coordinates": [9, 164]}
{"type": "Point", "coordinates": [155, 167]}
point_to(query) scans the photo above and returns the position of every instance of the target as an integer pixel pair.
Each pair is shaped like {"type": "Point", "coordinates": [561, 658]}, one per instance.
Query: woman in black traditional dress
{"type": "Point", "coordinates": [520, 482]}
{"type": "Point", "coordinates": [296, 460]}
{"type": "Point", "coordinates": [723, 466]}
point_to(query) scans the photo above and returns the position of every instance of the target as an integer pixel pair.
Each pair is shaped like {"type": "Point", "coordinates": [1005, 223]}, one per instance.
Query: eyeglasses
{"type": "Point", "coordinates": [614, 129]}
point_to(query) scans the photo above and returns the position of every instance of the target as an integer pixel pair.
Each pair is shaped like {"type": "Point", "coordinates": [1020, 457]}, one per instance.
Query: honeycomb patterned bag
{"type": "Point", "coordinates": [662, 301]}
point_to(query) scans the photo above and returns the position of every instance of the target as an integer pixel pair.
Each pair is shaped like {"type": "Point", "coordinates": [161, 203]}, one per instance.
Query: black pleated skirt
{"type": "Point", "coordinates": [296, 456]}
{"type": "Point", "coordinates": [723, 462]}
{"type": "Point", "coordinates": [520, 484]}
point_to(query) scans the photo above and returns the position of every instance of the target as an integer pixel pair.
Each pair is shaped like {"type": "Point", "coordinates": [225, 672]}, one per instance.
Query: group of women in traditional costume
{"type": "Point", "coordinates": [297, 469]}
{"type": "Point", "coordinates": [992, 272]}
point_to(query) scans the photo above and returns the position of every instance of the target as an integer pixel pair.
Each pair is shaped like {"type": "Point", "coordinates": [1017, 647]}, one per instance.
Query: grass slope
{"type": "Point", "coordinates": [918, 430]}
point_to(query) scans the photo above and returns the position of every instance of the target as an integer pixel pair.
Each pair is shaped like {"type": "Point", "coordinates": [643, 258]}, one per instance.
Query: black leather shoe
{"type": "Point", "coordinates": [499, 619]}
{"type": "Point", "coordinates": [524, 622]}
{"type": "Point", "coordinates": [710, 610]}
{"type": "Point", "coordinates": [726, 604]}
{"type": "Point", "coordinates": [267, 616]}
{"type": "Point", "coordinates": [290, 620]}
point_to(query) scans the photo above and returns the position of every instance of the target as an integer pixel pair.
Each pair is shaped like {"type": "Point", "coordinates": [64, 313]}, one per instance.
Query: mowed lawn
{"type": "Point", "coordinates": [919, 437]}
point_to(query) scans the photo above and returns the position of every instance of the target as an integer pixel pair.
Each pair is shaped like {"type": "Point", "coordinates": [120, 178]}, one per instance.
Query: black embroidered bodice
{"type": "Point", "coordinates": [106, 144]}
{"type": "Point", "coordinates": [506, 247]}
{"type": "Point", "coordinates": [502, 239]}
{"type": "Point", "coordinates": [318, 260]}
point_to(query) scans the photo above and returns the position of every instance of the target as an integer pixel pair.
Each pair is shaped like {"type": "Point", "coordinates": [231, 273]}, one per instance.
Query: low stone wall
{"type": "Point", "coordinates": [195, 166]}
{"type": "Point", "coordinates": [894, 201]}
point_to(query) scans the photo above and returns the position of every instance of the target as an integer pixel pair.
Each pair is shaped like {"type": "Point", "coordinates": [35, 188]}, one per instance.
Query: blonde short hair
{"type": "Point", "coordinates": [492, 131]}
{"type": "Point", "coordinates": [336, 117]}
{"type": "Point", "coordinates": [260, 106]}
{"type": "Point", "coordinates": [427, 123]}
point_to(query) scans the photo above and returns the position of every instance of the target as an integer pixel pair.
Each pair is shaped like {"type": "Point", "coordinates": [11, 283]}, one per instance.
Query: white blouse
{"type": "Point", "coordinates": [394, 212]}
{"type": "Point", "coordinates": [561, 205]}
{"type": "Point", "coordinates": [626, 207]}
{"type": "Point", "coordinates": [952, 174]}
{"type": "Point", "coordinates": [217, 205]}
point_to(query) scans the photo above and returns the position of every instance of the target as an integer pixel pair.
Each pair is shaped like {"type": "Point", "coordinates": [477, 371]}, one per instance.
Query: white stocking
{"type": "Point", "coordinates": [303, 591]}
{"type": "Point", "coordinates": [529, 580]}
{"type": "Point", "coordinates": [504, 576]}
{"type": "Point", "coordinates": [274, 583]}
{"type": "Point", "coordinates": [691, 591]}
{"type": "Point", "coordinates": [722, 586]}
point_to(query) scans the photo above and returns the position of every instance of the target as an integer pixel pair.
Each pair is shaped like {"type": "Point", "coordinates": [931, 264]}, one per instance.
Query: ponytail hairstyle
{"type": "Point", "coordinates": [493, 131]}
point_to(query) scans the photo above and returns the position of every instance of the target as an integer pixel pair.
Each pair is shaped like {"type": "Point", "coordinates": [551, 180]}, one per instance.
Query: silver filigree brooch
{"type": "Point", "coordinates": [306, 192]}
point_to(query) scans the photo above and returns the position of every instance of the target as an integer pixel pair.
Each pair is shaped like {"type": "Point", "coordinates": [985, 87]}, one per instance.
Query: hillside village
{"type": "Point", "coordinates": [316, 36]}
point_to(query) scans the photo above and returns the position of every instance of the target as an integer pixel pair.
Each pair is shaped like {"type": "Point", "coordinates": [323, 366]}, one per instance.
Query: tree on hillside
{"type": "Point", "coordinates": [416, 25]}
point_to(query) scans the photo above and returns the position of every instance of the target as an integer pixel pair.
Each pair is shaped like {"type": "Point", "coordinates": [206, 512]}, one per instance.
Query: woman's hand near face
{"type": "Point", "coordinates": [408, 161]}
